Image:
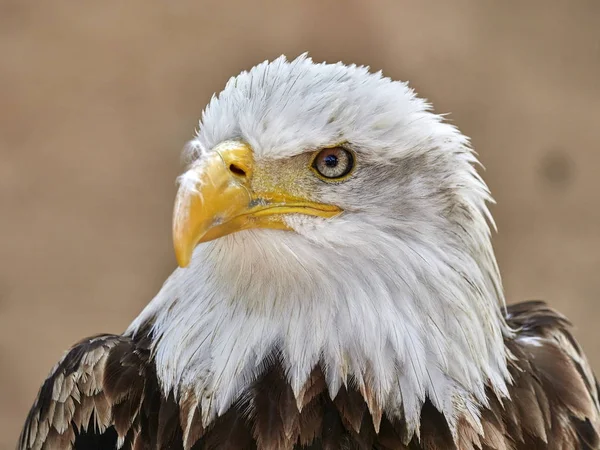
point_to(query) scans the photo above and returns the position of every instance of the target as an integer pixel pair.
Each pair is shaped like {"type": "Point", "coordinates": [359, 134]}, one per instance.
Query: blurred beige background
{"type": "Point", "coordinates": [98, 98]}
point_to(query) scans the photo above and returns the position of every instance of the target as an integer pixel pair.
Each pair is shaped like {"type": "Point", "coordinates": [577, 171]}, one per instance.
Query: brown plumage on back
{"type": "Point", "coordinates": [341, 292]}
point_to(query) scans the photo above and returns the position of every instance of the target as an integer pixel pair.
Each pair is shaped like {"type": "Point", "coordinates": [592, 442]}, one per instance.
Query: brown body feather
{"type": "Point", "coordinates": [104, 394]}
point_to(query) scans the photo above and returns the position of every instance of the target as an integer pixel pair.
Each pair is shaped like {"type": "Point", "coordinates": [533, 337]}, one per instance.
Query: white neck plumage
{"type": "Point", "coordinates": [405, 317]}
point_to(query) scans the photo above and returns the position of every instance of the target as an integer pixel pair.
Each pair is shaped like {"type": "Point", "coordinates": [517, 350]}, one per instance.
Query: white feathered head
{"type": "Point", "coordinates": [329, 216]}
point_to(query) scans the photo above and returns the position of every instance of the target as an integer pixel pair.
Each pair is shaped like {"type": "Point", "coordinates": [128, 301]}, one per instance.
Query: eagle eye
{"type": "Point", "coordinates": [333, 163]}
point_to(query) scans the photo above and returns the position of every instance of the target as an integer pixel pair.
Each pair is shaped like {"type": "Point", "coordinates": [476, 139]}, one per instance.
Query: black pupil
{"type": "Point", "coordinates": [331, 160]}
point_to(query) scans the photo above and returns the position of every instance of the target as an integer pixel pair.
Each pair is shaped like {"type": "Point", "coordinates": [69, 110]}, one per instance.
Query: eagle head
{"type": "Point", "coordinates": [328, 217]}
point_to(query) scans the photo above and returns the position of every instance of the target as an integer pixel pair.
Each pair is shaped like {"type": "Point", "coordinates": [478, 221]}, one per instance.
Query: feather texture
{"type": "Point", "coordinates": [552, 404]}
{"type": "Point", "coordinates": [97, 386]}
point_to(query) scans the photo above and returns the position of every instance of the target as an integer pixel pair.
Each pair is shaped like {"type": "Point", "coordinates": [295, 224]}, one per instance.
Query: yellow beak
{"type": "Point", "coordinates": [216, 198]}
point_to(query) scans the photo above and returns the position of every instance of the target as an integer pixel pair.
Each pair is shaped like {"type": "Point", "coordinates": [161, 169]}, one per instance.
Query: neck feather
{"type": "Point", "coordinates": [401, 318]}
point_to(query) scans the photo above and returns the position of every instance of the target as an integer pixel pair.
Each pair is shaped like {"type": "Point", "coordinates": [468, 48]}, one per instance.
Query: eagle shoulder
{"type": "Point", "coordinates": [554, 395]}
{"type": "Point", "coordinates": [93, 395]}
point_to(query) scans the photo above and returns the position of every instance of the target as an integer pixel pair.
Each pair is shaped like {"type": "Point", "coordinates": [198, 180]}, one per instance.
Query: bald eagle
{"type": "Point", "coordinates": [337, 289]}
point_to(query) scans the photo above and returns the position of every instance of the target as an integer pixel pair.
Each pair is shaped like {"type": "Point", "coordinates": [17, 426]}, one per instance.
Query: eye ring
{"type": "Point", "coordinates": [333, 163]}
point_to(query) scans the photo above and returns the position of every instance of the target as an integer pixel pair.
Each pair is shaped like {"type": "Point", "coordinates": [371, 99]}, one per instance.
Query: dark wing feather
{"type": "Point", "coordinates": [554, 396]}
{"type": "Point", "coordinates": [91, 398]}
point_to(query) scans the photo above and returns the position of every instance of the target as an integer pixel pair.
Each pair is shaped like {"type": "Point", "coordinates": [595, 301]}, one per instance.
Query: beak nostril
{"type": "Point", "coordinates": [237, 170]}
